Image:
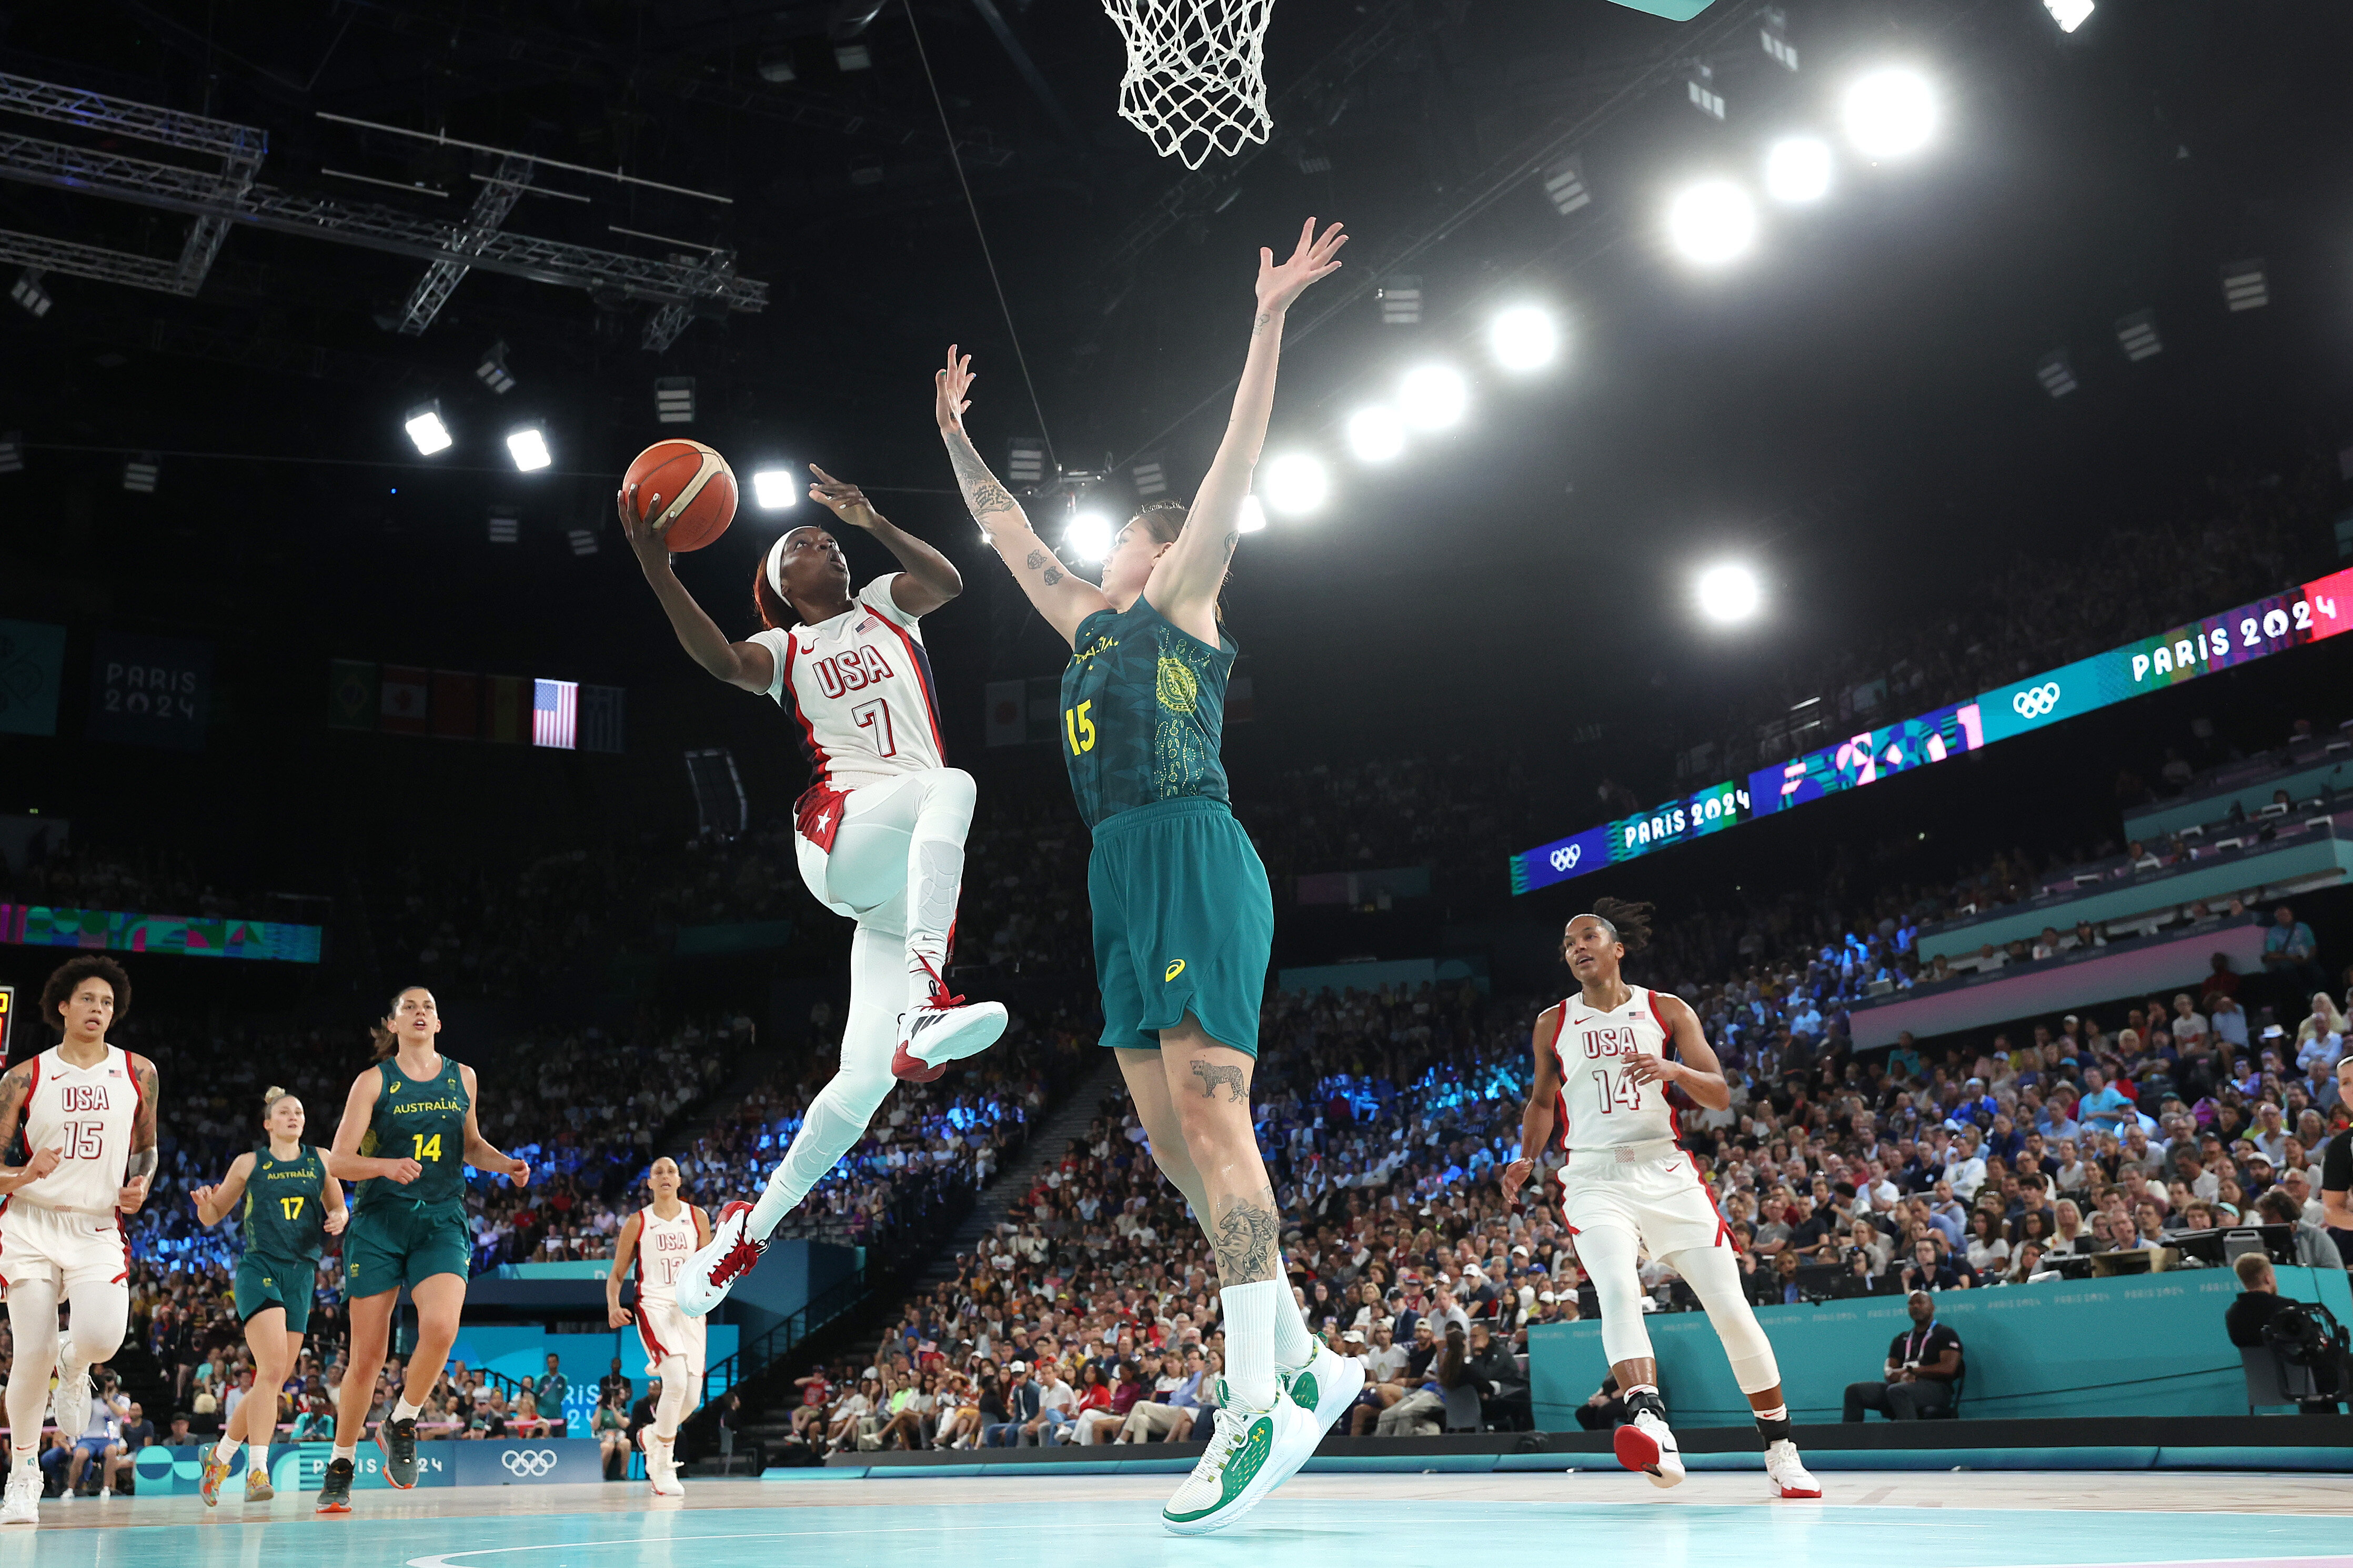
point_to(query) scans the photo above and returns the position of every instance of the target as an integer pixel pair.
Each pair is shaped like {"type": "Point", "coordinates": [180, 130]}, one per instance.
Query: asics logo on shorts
{"type": "Point", "coordinates": [2036, 700]}
{"type": "Point", "coordinates": [1175, 970]}
{"type": "Point", "coordinates": [529, 1463]}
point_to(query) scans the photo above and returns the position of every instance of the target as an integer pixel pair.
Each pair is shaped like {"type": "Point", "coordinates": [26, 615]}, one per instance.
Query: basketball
{"type": "Point", "coordinates": [697, 490]}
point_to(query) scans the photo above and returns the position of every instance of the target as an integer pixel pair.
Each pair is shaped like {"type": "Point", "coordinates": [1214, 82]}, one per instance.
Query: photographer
{"type": "Point", "coordinates": [1924, 1364]}
{"type": "Point", "coordinates": [2262, 1318]}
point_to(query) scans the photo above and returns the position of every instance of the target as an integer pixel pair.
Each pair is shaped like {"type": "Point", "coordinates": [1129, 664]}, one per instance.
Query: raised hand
{"type": "Point", "coordinates": [949, 389]}
{"type": "Point", "coordinates": [846, 501]}
{"type": "Point", "coordinates": [644, 528]}
{"type": "Point", "coordinates": [1277, 285]}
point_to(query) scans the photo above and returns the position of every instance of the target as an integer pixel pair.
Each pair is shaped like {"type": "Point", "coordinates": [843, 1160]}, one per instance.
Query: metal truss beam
{"type": "Point", "coordinates": [497, 198]}
{"type": "Point", "coordinates": [90, 261]}
{"type": "Point", "coordinates": [144, 121]}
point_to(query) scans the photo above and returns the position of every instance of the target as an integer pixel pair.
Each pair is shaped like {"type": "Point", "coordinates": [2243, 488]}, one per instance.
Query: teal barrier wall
{"type": "Point", "coordinates": [2146, 1345]}
{"type": "Point", "coordinates": [519, 1352]}
{"type": "Point", "coordinates": [2196, 811]}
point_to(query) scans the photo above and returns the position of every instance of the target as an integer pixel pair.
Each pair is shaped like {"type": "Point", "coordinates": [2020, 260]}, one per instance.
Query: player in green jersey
{"type": "Point", "coordinates": [291, 1206]}
{"type": "Point", "coordinates": [408, 1133]}
{"type": "Point", "coordinates": [1184, 920]}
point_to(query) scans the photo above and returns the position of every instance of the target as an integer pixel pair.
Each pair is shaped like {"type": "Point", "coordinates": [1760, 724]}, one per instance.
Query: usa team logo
{"type": "Point", "coordinates": [2036, 700]}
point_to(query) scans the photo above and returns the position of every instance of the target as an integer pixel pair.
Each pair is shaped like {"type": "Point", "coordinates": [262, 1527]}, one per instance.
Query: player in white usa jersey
{"type": "Point", "coordinates": [1603, 1069]}
{"type": "Point", "coordinates": [881, 831]}
{"type": "Point", "coordinates": [660, 1238]}
{"type": "Point", "coordinates": [88, 1113]}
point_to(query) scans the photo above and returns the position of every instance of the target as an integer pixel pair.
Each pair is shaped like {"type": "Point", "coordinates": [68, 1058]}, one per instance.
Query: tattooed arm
{"type": "Point", "coordinates": [1186, 581]}
{"type": "Point", "coordinates": [141, 1166]}
{"type": "Point", "coordinates": [1063, 599]}
{"type": "Point", "coordinates": [14, 1088]}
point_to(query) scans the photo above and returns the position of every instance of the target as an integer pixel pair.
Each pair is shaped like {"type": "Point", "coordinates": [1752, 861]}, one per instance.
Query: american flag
{"type": "Point", "coordinates": [554, 713]}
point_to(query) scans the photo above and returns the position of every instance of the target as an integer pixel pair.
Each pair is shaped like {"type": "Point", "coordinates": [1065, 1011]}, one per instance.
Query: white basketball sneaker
{"type": "Point", "coordinates": [661, 1464]}
{"type": "Point", "coordinates": [1646, 1445]}
{"type": "Point", "coordinates": [24, 1502]}
{"type": "Point", "coordinates": [1786, 1473]}
{"type": "Point", "coordinates": [728, 1255]}
{"type": "Point", "coordinates": [944, 1029]}
{"type": "Point", "coordinates": [1238, 1467]}
{"type": "Point", "coordinates": [1324, 1388]}
{"type": "Point", "coordinates": [70, 1402]}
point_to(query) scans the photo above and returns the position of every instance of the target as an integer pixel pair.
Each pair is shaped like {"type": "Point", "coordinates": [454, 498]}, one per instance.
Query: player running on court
{"type": "Point", "coordinates": [88, 1113]}
{"type": "Point", "coordinates": [291, 1206]}
{"type": "Point", "coordinates": [408, 1132]}
{"type": "Point", "coordinates": [880, 833]}
{"type": "Point", "coordinates": [658, 1239]}
{"type": "Point", "coordinates": [1184, 920]}
{"type": "Point", "coordinates": [1627, 1183]}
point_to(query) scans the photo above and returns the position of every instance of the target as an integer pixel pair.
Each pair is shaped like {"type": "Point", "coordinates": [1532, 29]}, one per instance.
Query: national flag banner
{"type": "Point", "coordinates": [32, 671]}
{"type": "Point", "coordinates": [554, 713]}
{"type": "Point", "coordinates": [1005, 703]}
{"type": "Point", "coordinates": [457, 704]}
{"type": "Point", "coordinates": [351, 694]}
{"type": "Point", "coordinates": [404, 700]}
{"type": "Point", "coordinates": [504, 710]}
{"type": "Point", "coordinates": [601, 709]}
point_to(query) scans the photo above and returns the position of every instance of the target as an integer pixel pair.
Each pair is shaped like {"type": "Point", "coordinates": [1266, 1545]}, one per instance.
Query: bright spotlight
{"type": "Point", "coordinates": [2069, 14]}
{"type": "Point", "coordinates": [1296, 484]}
{"type": "Point", "coordinates": [1433, 398]}
{"type": "Point", "coordinates": [1376, 434]}
{"type": "Point", "coordinates": [1523, 337]}
{"type": "Point", "coordinates": [425, 428]}
{"type": "Point", "coordinates": [1891, 113]}
{"type": "Point", "coordinates": [1253, 516]}
{"type": "Point", "coordinates": [772, 490]}
{"type": "Point", "coordinates": [1798, 169]}
{"type": "Point", "coordinates": [1089, 536]}
{"type": "Point", "coordinates": [1727, 592]}
{"type": "Point", "coordinates": [529, 445]}
{"type": "Point", "coordinates": [1713, 223]}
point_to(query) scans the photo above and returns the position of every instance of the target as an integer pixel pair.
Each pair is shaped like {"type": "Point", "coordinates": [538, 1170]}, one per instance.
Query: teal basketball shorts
{"type": "Point", "coordinates": [1184, 922]}
{"type": "Point", "coordinates": [388, 1245]}
{"type": "Point", "coordinates": [262, 1283]}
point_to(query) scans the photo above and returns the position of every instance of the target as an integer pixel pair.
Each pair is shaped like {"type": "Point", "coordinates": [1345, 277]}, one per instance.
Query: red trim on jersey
{"type": "Point", "coordinates": [1675, 1119]}
{"type": "Point", "coordinates": [818, 757]}
{"type": "Point", "coordinates": [923, 677]}
{"type": "Point", "coordinates": [653, 1346]}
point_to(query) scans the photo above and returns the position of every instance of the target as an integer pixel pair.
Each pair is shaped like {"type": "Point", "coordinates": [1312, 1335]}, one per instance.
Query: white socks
{"type": "Point", "coordinates": [1251, 1312]}
{"type": "Point", "coordinates": [1294, 1347]}
{"type": "Point", "coordinates": [349, 1453]}
{"type": "Point", "coordinates": [257, 1458]}
{"type": "Point", "coordinates": [403, 1410]}
{"type": "Point", "coordinates": [226, 1449]}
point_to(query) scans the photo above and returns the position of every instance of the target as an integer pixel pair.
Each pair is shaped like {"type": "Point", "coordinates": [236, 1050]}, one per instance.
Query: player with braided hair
{"type": "Point", "coordinates": [1607, 1060]}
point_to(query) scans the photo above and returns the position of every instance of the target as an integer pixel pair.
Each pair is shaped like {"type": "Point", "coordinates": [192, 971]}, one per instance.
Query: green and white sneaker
{"type": "Point", "coordinates": [1238, 1467]}
{"type": "Point", "coordinates": [1325, 1386]}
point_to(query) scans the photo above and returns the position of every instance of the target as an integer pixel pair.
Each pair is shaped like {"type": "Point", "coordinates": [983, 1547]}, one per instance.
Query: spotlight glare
{"type": "Point", "coordinates": [2069, 14]}
{"type": "Point", "coordinates": [1296, 483]}
{"type": "Point", "coordinates": [1376, 434]}
{"type": "Point", "coordinates": [1523, 337]}
{"type": "Point", "coordinates": [1089, 536]}
{"type": "Point", "coordinates": [1713, 223]}
{"type": "Point", "coordinates": [1727, 592]}
{"type": "Point", "coordinates": [774, 489]}
{"type": "Point", "coordinates": [1253, 518]}
{"type": "Point", "coordinates": [425, 428]}
{"type": "Point", "coordinates": [1891, 113]}
{"type": "Point", "coordinates": [1433, 398]}
{"type": "Point", "coordinates": [1798, 169]}
{"type": "Point", "coordinates": [529, 445]}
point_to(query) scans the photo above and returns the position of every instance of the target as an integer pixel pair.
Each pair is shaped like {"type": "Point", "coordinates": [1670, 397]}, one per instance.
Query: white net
{"type": "Point", "coordinates": [1194, 81]}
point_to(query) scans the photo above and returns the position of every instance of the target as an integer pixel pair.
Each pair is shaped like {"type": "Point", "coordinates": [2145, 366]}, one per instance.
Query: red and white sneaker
{"type": "Point", "coordinates": [732, 1251]}
{"type": "Point", "coordinates": [944, 1029]}
{"type": "Point", "coordinates": [1786, 1473]}
{"type": "Point", "coordinates": [1646, 1445]}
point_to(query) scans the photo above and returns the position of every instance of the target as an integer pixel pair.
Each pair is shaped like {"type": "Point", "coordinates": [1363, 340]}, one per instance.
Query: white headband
{"type": "Point", "coordinates": [776, 562]}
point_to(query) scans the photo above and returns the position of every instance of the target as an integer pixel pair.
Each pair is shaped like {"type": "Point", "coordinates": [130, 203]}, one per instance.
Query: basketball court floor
{"type": "Point", "coordinates": [1918, 1519]}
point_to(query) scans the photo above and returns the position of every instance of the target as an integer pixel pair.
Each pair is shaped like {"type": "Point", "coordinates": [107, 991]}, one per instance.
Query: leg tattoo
{"type": "Point", "coordinates": [1246, 1236]}
{"type": "Point", "coordinates": [1211, 1075]}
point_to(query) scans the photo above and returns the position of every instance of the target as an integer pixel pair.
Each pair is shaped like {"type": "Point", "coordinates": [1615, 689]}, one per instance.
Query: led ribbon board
{"type": "Point", "coordinates": [2315, 611]}
{"type": "Point", "coordinates": [121, 930]}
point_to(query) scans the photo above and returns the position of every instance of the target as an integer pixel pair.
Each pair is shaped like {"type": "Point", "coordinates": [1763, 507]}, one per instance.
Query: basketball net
{"type": "Point", "coordinates": [1194, 81]}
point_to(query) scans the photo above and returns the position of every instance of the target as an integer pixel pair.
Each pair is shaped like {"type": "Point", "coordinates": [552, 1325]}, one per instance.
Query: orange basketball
{"type": "Point", "coordinates": [697, 490]}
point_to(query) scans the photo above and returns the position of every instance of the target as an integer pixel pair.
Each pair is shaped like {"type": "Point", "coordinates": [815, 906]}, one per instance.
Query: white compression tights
{"type": "Point", "coordinates": [100, 1314]}
{"type": "Point", "coordinates": [678, 1381]}
{"type": "Point", "coordinates": [1607, 1256]}
{"type": "Point", "coordinates": [898, 865]}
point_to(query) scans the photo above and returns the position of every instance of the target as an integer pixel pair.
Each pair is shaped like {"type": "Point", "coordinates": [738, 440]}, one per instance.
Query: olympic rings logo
{"type": "Point", "coordinates": [1562, 859]}
{"type": "Point", "coordinates": [2036, 700]}
{"type": "Point", "coordinates": [528, 1463]}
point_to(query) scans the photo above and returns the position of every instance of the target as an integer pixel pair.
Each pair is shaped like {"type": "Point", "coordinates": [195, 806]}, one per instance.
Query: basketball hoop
{"type": "Point", "coordinates": [1195, 81]}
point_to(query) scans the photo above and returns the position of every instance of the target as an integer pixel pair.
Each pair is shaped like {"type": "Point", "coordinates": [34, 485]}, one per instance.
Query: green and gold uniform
{"type": "Point", "coordinates": [399, 1236]}
{"type": "Point", "coordinates": [1183, 919]}
{"type": "Point", "coordinates": [284, 1229]}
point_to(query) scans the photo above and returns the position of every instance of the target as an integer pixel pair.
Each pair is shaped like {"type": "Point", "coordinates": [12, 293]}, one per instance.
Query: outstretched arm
{"type": "Point", "coordinates": [926, 578]}
{"type": "Point", "coordinates": [746, 664]}
{"type": "Point", "coordinates": [1063, 599]}
{"type": "Point", "coordinates": [1189, 576]}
